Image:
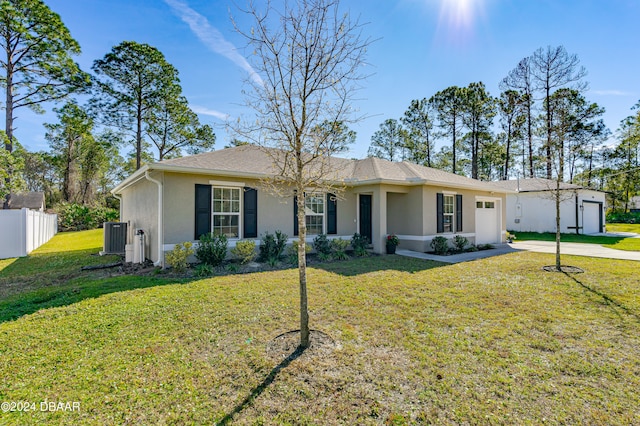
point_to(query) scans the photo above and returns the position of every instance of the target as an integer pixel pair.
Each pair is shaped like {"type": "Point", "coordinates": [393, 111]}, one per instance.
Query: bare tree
{"type": "Point", "coordinates": [308, 56]}
{"type": "Point", "coordinates": [553, 68]}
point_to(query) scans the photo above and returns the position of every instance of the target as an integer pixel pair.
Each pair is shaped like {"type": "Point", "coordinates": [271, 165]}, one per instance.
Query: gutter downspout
{"type": "Point", "coordinates": [160, 261]}
{"type": "Point", "coordinates": [577, 214]}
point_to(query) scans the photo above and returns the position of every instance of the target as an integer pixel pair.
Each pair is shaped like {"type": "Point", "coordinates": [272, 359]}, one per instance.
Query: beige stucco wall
{"type": "Point", "coordinates": [408, 211]}
{"type": "Point", "coordinates": [274, 213]}
{"type": "Point", "coordinates": [140, 211]}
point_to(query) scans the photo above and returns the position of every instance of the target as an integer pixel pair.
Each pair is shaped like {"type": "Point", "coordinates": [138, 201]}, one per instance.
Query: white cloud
{"type": "Point", "coordinates": [211, 37]}
{"type": "Point", "coordinates": [611, 93]}
{"type": "Point", "coordinates": [211, 112]}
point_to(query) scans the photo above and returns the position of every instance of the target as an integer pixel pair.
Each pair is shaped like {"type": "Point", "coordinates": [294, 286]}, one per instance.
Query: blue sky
{"type": "Point", "coordinates": [422, 46]}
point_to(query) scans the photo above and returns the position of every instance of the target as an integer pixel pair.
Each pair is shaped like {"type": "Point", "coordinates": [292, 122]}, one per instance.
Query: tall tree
{"type": "Point", "coordinates": [70, 139]}
{"type": "Point", "coordinates": [448, 105]}
{"type": "Point", "coordinates": [553, 68]}
{"type": "Point", "coordinates": [478, 110]}
{"type": "Point", "coordinates": [172, 126]}
{"type": "Point", "coordinates": [520, 80]}
{"type": "Point", "coordinates": [626, 158]}
{"type": "Point", "coordinates": [389, 141]}
{"type": "Point", "coordinates": [10, 162]}
{"type": "Point", "coordinates": [576, 123]}
{"type": "Point", "coordinates": [132, 80]}
{"type": "Point", "coordinates": [308, 55]}
{"type": "Point", "coordinates": [37, 63]}
{"type": "Point", "coordinates": [418, 119]}
{"type": "Point", "coordinates": [512, 110]}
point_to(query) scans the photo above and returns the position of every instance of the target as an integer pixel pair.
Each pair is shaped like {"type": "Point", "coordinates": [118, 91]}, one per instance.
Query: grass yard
{"type": "Point", "coordinates": [623, 227]}
{"type": "Point", "coordinates": [495, 341]}
{"type": "Point", "coordinates": [618, 243]}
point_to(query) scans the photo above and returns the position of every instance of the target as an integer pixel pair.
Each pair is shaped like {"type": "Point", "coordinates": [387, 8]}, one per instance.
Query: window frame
{"type": "Point", "coordinates": [238, 214]}
{"type": "Point", "coordinates": [322, 196]}
{"type": "Point", "coordinates": [446, 214]}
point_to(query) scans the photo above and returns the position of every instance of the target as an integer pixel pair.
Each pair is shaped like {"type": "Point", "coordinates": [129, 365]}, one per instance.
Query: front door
{"type": "Point", "coordinates": [365, 216]}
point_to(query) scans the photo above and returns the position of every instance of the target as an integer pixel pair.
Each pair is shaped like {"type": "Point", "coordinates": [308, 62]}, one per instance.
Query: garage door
{"type": "Point", "coordinates": [591, 218]}
{"type": "Point", "coordinates": [487, 222]}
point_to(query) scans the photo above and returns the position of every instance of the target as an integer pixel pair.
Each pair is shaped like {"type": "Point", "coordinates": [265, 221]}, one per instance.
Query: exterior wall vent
{"type": "Point", "coordinates": [115, 237]}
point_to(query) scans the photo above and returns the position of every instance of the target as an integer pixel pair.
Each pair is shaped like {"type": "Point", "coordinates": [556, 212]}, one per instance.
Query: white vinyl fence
{"type": "Point", "coordinates": [22, 231]}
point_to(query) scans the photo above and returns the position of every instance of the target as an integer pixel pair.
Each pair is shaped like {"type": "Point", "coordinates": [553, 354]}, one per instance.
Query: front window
{"type": "Point", "coordinates": [226, 211]}
{"type": "Point", "coordinates": [448, 213]}
{"type": "Point", "coordinates": [314, 213]}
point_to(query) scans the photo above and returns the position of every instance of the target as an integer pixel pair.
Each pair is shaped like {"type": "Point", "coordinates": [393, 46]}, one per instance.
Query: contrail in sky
{"type": "Point", "coordinates": [211, 37]}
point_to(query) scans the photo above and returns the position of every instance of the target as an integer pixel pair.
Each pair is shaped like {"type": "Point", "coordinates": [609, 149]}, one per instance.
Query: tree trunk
{"type": "Point", "coordinates": [302, 270]}
{"type": "Point", "coordinates": [453, 145]}
{"type": "Point", "coordinates": [548, 147]}
{"type": "Point", "coordinates": [505, 174]}
{"type": "Point", "coordinates": [558, 265]}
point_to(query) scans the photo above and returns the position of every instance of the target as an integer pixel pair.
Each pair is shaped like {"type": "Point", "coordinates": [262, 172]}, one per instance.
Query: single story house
{"type": "Point", "coordinates": [531, 207]}
{"type": "Point", "coordinates": [223, 191]}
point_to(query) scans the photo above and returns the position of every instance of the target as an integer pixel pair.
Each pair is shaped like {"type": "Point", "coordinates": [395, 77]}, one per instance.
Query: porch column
{"type": "Point", "coordinates": [379, 220]}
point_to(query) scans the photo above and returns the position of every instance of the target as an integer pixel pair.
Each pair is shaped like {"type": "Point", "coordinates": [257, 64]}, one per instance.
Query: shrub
{"type": "Point", "coordinates": [244, 251]}
{"type": "Point", "coordinates": [272, 246]}
{"type": "Point", "coordinates": [78, 217]}
{"type": "Point", "coordinates": [322, 246]}
{"type": "Point", "coordinates": [292, 251]}
{"type": "Point", "coordinates": [460, 242]}
{"type": "Point", "coordinates": [440, 245]}
{"type": "Point", "coordinates": [339, 249]}
{"type": "Point", "coordinates": [360, 244]}
{"type": "Point", "coordinates": [177, 258]}
{"type": "Point", "coordinates": [204, 270]}
{"type": "Point", "coordinates": [212, 249]}
{"type": "Point", "coordinates": [623, 217]}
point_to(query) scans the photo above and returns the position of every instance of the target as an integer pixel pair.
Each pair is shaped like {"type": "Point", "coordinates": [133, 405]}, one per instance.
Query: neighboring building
{"type": "Point", "coordinates": [29, 200]}
{"type": "Point", "coordinates": [634, 204]}
{"type": "Point", "coordinates": [178, 200]}
{"type": "Point", "coordinates": [531, 207]}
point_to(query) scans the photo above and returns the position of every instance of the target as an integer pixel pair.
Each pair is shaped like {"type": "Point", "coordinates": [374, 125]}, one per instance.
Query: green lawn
{"type": "Point", "coordinates": [618, 243]}
{"type": "Point", "coordinates": [495, 341]}
{"type": "Point", "coordinates": [623, 227]}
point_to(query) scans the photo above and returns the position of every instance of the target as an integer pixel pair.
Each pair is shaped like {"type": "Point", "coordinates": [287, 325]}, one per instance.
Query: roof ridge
{"type": "Point", "coordinates": [413, 168]}
{"type": "Point", "coordinates": [376, 169]}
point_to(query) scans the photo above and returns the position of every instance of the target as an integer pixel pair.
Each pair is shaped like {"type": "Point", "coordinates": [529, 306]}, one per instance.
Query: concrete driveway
{"type": "Point", "coordinates": [576, 249]}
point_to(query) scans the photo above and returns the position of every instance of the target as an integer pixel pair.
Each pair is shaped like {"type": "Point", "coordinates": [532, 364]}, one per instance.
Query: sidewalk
{"type": "Point", "coordinates": [575, 249]}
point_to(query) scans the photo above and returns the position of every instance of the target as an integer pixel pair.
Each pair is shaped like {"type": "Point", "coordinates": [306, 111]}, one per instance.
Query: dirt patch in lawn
{"type": "Point", "coordinates": [287, 344]}
{"type": "Point", "coordinates": [563, 268]}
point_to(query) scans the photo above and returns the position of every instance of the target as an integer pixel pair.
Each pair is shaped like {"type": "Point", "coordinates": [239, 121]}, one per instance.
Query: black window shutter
{"type": "Point", "coordinates": [250, 218]}
{"type": "Point", "coordinates": [440, 212]}
{"type": "Point", "coordinates": [458, 213]}
{"type": "Point", "coordinates": [203, 210]}
{"type": "Point", "coordinates": [332, 214]}
{"type": "Point", "coordinates": [295, 215]}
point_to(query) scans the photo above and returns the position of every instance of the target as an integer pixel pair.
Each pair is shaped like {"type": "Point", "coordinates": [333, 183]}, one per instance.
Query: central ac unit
{"type": "Point", "coordinates": [115, 237]}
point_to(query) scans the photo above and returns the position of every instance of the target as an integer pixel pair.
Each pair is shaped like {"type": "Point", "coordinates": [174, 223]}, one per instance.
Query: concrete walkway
{"type": "Point", "coordinates": [575, 249]}
{"type": "Point", "coordinates": [462, 257]}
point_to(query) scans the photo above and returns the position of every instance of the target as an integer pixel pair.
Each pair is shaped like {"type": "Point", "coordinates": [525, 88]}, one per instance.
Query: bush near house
{"type": "Point", "coordinates": [212, 249]}
{"type": "Point", "coordinates": [78, 217]}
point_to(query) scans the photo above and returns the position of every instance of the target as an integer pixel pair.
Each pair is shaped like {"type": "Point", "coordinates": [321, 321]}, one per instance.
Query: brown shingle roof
{"type": "Point", "coordinates": [252, 161]}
